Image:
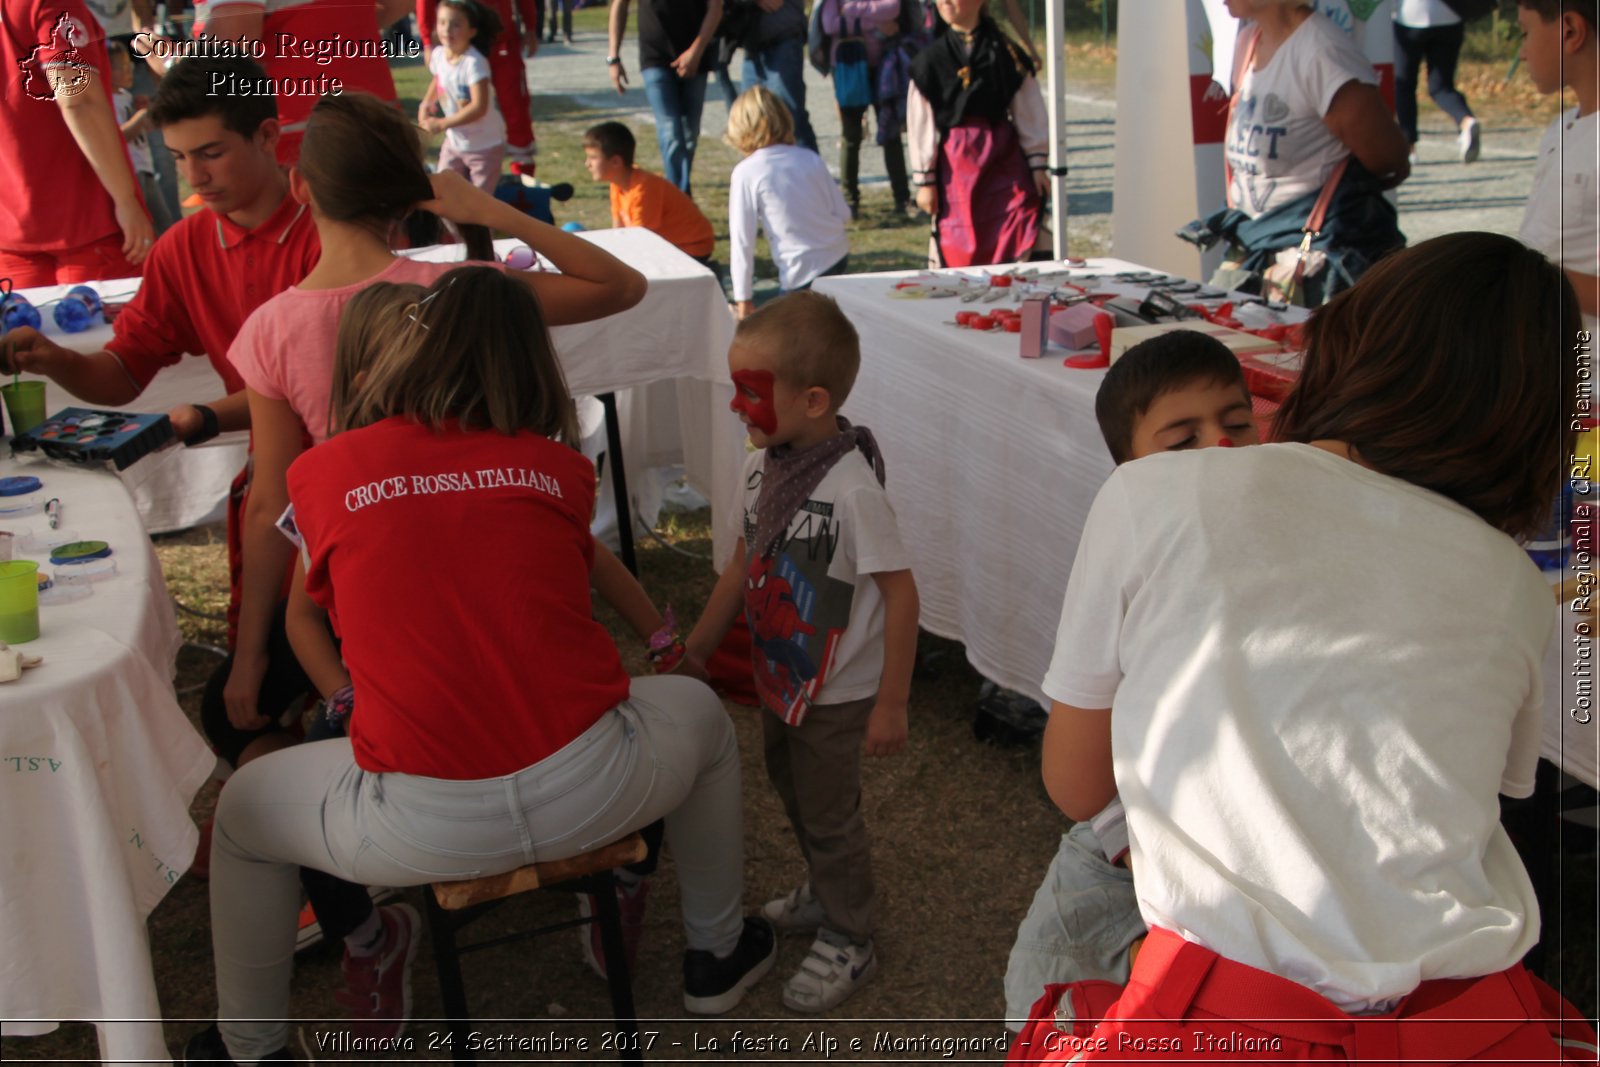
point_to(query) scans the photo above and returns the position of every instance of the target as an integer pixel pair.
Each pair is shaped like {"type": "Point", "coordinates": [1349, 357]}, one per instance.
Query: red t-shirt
{"type": "Point", "coordinates": [203, 279]}
{"type": "Point", "coordinates": [52, 200]}
{"type": "Point", "coordinates": [307, 41]}
{"type": "Point", "coordinates": [455, 567]}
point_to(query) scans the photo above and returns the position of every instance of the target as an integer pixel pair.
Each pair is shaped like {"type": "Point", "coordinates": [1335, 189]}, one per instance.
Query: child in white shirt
{"type": "Point", "coordinates": [474, 133]}
{"type": "Point", "coordinates": [788, 192]}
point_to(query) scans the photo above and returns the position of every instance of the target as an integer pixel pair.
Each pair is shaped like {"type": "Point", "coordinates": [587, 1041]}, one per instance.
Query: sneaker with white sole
{"type": "Point", "coordinates": [377, 991]}
{"type": "Point", "coordinates": [799, 912]}
{"type": "Point", "coordinates": [1469, 140]}
{"type": "Point", "coordinates": [714, 984]}
{"type": "Point", "coordinates": [834, 969]}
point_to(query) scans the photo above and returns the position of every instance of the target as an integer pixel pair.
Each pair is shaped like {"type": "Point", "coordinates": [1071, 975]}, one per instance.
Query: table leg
{"type": "Point", "coordinates": [619, 483]}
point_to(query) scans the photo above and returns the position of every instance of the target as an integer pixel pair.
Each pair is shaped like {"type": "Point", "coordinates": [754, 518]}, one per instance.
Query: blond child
{"type": "Point", "coordinates": [640, 198]}
{"type": "Point", "coordinates": [787, 191]}
{"type": "Point", "coordinates": [825, 585]}
{"type": "Point", "coordinates": [1175, 392]}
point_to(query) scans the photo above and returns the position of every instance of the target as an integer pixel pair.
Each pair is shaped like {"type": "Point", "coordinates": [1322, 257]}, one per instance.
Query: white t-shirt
{"type": "Point", "coordinates": [1278, 147]}
{"type": "Point", "coordinates": [455, 82]}
{"type": "Point", "coordinates": [789, 192]}
{"type": "Point", "coordinates": [1320, 680]}
{"type": "Point", "coordinates": [138, 147]}
{"type": "Point", "coordinates": [814, 606]}
{"type": "Point", "coordinates": [1563, 215]}
{"type": "Point", "coordinates": [1421, 14]}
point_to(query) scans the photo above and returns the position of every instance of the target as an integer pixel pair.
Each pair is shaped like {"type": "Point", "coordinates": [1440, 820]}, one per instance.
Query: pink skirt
{"type": "Point", "coordinates": [988, 206]}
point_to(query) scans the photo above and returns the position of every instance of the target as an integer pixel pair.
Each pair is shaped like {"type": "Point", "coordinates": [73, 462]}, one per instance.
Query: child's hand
{"type": "Point", "coordinates": [431, 123]}
{"type": "Point", "coordinates": [742, 308]}
{"type": "Point", "coordinates": [1041, 182]}
{"type": "Point", "coordinates": [692, 668]}
{"type": "Point", "coordinates": [928, 199]}
{"type": "Point", "coordinates": [886, 729]}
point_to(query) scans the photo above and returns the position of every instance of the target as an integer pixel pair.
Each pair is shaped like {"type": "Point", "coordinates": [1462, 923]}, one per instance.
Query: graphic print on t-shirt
{"type": "Point", "coordinates": [1252, 138]}
{"type": "Point", "coordinates": [797, 614]}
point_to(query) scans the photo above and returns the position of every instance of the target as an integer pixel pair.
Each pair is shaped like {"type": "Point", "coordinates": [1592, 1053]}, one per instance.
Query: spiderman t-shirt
{"type": "Point", "coordinates": [815, 613]}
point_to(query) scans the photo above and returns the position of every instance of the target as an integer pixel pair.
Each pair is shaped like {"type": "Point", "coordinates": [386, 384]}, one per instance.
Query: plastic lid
{"type": "Point", "coordinates": [19, 484]}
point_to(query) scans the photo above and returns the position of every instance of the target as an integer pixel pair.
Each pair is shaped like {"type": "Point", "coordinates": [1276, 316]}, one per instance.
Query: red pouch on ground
{"type": "Point", "coordinates": [729, 667]}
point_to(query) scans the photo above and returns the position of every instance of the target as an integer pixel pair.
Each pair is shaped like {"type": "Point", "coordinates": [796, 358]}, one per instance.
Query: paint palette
{"type": "Point", "coordinates": [87, 437]}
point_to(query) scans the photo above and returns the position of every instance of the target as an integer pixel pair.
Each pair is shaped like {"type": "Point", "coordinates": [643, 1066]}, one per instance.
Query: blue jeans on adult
{"type": "Point", "coordinates": [780, 66]}
{"type": "Point", "coordinates": [677, 103]}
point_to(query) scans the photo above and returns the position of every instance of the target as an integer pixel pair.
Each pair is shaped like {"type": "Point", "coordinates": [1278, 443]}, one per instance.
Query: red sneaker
{"type": "Point", "coordinates": [631, 902]}
{"type": "Point", "coordinates": [377, 990]}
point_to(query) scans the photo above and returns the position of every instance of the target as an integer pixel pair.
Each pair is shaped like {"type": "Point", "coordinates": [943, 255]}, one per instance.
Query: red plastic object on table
{"type": "Point", "coordinates": [964, 318]}
{"type": "Point", "coordinates": [1001, 281]}
{"type": "Point", "coordinates": [981, 322]}
{"type": "Point", "coordinates": [1266, 380]}
{"type": "Point", "coordinates": [1103, 325]}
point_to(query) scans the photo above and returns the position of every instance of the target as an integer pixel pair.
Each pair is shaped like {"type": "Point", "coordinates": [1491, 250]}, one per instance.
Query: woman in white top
{"type": "Point", "coordinates": [1285, 661]}
{"type": "Point", "coordinates": [786, 191]}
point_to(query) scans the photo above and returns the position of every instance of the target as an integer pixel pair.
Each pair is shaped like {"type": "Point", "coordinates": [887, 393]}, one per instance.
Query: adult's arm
{"type": "Point", "coordinates": [232, 412]}
{"type": "Point", "coordinates": [532, 14]}
{"type": "Point", "coordinates": [592, 284]}
{"type": "Point", "coordinates": [92, 122]}
{"type": "Point", "coordinates": [616, 24]}
{"type": "Point", "coordinates": [687, 65]}
{"type": "Point", "coordinates": [278, 439]}
{"type": "Point", "coordinates": [95, 377]}
{"type": "Point", "coordinates": [1076, 760]}
{"type": "Point", "coordinates": [1361, 121]}
{"type": "Point", "coordinates": [618, 587]}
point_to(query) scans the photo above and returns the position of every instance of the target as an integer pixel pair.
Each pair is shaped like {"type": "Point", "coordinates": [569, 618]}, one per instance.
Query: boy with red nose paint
{"type": "Point", "coordinates": [1178, 391]}
{"type": "Point", "coordinates": [825, 585]}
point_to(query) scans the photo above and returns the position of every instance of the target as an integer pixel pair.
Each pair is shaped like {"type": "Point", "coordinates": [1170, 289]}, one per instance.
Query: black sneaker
{"type": "Point", "coordinates": [207, 1047]}
{"type": "Point", "coordinates": [713, 985]}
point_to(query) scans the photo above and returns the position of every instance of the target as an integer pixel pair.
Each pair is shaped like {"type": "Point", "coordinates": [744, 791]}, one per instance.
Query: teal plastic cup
{"type": "Point", "coordinates": [24, 405]}
{"type": "Point", "coordinates": [19, 601]}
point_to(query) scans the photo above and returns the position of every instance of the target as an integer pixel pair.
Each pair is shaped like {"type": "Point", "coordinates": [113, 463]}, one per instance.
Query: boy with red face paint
{"type": "Point", "coordinates": [825, 585]}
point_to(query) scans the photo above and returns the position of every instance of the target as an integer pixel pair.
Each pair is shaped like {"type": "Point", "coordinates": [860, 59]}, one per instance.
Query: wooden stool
{"type": "Point", "coordinates": [453, 905]}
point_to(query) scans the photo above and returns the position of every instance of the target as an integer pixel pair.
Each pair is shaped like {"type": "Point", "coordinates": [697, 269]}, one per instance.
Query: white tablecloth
{"type": "Point", "coordinates": [99, 767]}
{"type": "Point", "coordinates": [993, 461]}
{"type": "Point", "coordinates": [680, 330]}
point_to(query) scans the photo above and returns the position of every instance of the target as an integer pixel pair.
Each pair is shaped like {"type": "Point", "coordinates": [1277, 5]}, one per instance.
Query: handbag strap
{"type": "Point", "coordinates": [1319, 210]}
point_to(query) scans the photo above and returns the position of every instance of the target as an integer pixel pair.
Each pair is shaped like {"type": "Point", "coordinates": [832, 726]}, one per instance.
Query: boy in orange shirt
{"type": "Point", "coordinates": [640, 198]}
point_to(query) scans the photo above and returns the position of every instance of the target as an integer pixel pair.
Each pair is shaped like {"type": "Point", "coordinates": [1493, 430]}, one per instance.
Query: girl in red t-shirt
{"type": "Point", "coordinates": [446, 533]}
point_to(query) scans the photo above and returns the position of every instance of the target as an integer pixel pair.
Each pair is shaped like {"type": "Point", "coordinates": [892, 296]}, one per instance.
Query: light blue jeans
{"type": "Point", "coordinates": [668, 750]}
{"type": "Point", "coordinates": [780, 66]}
{"type": "Point", "coordinates": [1081, 923]}
{"type": "Point", "coordinates": [677, 103]}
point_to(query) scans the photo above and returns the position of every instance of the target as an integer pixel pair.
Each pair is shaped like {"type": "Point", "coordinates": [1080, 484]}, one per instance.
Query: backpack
{"type": "Point", "coordinates": [852, 81]}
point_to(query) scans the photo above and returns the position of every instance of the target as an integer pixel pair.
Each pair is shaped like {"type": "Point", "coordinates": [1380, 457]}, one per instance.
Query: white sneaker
{"type": "Point", "coordinates": [1469, 140]}
{"type": "Point", "coordinates": [799, 912]}
{"type": "Point", "coordinates": [829, 975]}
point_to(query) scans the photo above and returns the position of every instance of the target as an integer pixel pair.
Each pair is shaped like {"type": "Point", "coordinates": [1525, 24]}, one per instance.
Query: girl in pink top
{"type": "Point", "coordinates": [361, 172]}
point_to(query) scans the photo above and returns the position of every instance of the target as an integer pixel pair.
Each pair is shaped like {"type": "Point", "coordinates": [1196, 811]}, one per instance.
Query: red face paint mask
{"type": "Point", "coordinates": [753, 398]}
{"type": "Point", "coordinates": [1224, 442]}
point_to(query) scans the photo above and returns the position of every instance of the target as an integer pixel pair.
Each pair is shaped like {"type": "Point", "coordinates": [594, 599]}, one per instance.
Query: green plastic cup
{"type": "Point", "coordinates": [24, 405]}
{"type": "Point", "coordinates": [19, 601]}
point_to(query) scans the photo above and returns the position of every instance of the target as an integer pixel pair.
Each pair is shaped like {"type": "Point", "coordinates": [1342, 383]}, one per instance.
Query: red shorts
{"type": "Point", "coordinates": [1184, 1002]}
{"type": "Point", "coordinates": [95, 262]}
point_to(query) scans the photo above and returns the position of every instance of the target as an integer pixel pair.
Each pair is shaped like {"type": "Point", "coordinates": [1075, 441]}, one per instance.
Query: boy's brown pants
{"type": "Point", "coordinates": [816, 769]}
